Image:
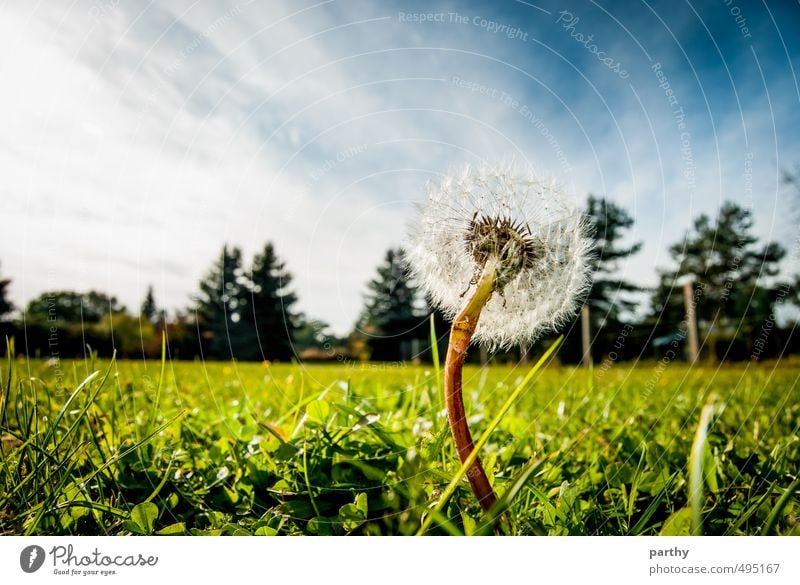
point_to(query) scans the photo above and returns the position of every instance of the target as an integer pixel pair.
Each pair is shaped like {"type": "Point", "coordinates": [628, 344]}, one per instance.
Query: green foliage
{"type": "Point", "coordinates": [314, 341]}
{"type": "Point", "coordinates": [61, 457]}
{"type": "Point", "coordinates": [221, 304]}
{"type": "Point", "coordinates": [736, 290]}
{"type": "Point", "coordinates": [271, 306]}
{"type": "Point", "coordinates": [610, 298]}
{"type": "Point", "coordinates": [251, 448]}
{"type": "Point", "coordinates": [143, 518]}
{"type": "Point", "coordinates": [6, 306]}
{"type": "Point", "coordinates": [246, 315]}
{"type": "Point", "coordinates": [64, 324]}
{"type": "Point", "coordinates": [609, 223]}
{"type": "Point", "coordinates": [149, 309]}
{"type": "Point", "coordinates": [392, 317]}
{"type": "Point", "coordinates": [72, 307]}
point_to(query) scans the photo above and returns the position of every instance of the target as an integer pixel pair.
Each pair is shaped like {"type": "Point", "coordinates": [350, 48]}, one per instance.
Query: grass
{"type": "Point", "coordinates": [128, 447]}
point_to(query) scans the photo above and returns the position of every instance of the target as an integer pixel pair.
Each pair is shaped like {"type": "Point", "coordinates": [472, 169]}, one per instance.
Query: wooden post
{"type": "Point", "coordinates": [691, 320]}
{"type": "Point", "coordinates": [585, 337]}
{"type": "Point", "coordinates": [415, 352]}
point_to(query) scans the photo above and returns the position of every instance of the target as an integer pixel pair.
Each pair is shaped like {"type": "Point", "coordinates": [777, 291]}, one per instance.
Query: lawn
{"type": "Point", "coordinates": [120, 447]}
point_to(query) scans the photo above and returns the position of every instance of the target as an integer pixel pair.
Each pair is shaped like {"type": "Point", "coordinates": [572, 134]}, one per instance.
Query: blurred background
{"type": "Point", "coordinates": [239, 177]}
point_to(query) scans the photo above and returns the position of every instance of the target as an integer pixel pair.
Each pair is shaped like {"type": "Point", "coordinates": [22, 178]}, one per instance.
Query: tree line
{"type": "Point", "coordinates": [249, 312]}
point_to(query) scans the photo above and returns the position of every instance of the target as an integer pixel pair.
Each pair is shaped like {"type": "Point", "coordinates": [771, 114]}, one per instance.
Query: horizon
{"type": "Point", "coordinates": [140, 140]}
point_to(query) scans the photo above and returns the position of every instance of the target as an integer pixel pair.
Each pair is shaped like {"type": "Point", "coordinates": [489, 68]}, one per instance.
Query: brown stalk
{"type": "Point", "coordinates": [461, 333]}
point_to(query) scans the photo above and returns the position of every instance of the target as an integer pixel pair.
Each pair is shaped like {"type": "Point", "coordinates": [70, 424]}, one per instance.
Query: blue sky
{"type": "Point", "coordinates": [138, 137]}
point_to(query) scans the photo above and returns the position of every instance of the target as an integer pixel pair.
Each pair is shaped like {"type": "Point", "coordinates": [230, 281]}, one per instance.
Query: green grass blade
{"type": "Point", "coordinates": [305, 476]}
{"type": "Point", "coordinates": [435, 350]}
{"type": "Point", "coordinates": [92, 506]}
{"type": "Point", "coordinates": [504, 502]}
{"type": "Point", "coordinates": [696, 492]}
{"type": "Point", "coordinates": [161, 483]}
{"type": "Point", "coordinates": [47, 503]}
{"type": "Point", "coordinates": [5, 393]}
{"type": "Point", "coordinates": [434, 396]}
{"type": "Point", "coordinates": [161, 376]}
{"type": "Point", "coordinates": [132, 448]}
{"type": "Point", "coordinates": [641, 523]}
{"type": "Point", "coordinates": [772, 519]}
{"type": "Point", "coordinates": [54, 426]}
{"type": "Point", "coordinates": [84, 409]}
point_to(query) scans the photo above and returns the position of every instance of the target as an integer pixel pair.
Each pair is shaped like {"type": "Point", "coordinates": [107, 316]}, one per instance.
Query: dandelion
{"type": "Point", "coordinates": [506, 256]}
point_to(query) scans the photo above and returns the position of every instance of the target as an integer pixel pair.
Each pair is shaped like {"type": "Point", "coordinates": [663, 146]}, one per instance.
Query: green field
{"type": "Point", "coordinates": [267, 449]}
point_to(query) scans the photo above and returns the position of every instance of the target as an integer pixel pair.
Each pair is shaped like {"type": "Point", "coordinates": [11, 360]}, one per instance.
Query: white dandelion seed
{"type": "Point", "coordinates": [537, 236]}
{"type": "Point", "coordinates": [506, 256]}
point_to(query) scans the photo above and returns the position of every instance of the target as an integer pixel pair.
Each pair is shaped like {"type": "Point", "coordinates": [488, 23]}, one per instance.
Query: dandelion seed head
{"type": "Point", "coordinates": [538, 236]}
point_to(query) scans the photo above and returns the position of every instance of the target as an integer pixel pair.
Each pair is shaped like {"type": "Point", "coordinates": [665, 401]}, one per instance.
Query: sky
{"type": "Point", "coordinates": [136, 138]}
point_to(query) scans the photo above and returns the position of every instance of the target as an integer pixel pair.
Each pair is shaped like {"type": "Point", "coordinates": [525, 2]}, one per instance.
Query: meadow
{"type": "Point", "coordinates": [132, 447]}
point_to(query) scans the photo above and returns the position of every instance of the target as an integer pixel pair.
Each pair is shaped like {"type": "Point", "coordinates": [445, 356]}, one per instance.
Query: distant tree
{"type": "Point", "coordinates": [6, 306]}
{"type": "Point", "coordinates": [609, 223]}
{"type": "Point", "coordinates": [271, 311]}
{"type": "Point", "coordinates": [391, 318]}
{"type": "Point", "coordinates": [312, 333]}
{"type": "Point", "coordinates": [736, 290]}
{"type": "Point", "coordinates": [792, 180]}
{"type": "Point", "coordinates": [149, 308]}
{"type": "Point", "coordinates": [128, 335]}
{"type": "Point", "coordinates": [72, 307]}
{"type": "Point", "coordinates": [181, 335]}
{"type": "Point", "coordinates": [313, 340]}
{"type": "Point", "coordinates": [609, 296]}
{"type": "Point", "coordinates": [220, 307]}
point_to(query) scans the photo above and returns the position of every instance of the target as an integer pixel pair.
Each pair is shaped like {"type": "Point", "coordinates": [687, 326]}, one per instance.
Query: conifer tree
{"type": "Point", "coordinates": [271, 313]}
{"type": "Point", "coordinates": [391, 317]}
{"type": "Point", "coordinates": [220, 305]}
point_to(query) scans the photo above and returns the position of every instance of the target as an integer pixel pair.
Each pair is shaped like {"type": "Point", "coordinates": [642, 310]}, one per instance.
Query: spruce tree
{"type": "Point", "coordinates": [609, 223]}
{"type": "Point", "coordinates": [609, 296]}
{"type": "Point", "coordinates": [220, 306]}
{"type": "Point", "coordinates": [391, 319]}
{"type": "Point", "coordinates": [149, 308]}
{"type": "Point", "coordinates": [271, 316]}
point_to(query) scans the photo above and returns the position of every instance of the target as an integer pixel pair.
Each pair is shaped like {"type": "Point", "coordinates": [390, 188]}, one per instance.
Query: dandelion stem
{"type": "Point", "coordinates": [460, 336]}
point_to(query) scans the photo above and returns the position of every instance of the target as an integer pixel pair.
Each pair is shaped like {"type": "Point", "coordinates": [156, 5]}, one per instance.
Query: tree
{"type": "Point", "coordinates": [391, 319]}
{"type": "Point", "coordinates": [312, 334]}
{"type": "Point", "coordinates": [314, 341]}
{"type": "Point", "coordinates": [6, 306]}
{"type": "Point", "coordinates": [72, 307]}
{"type": "Point", "coordinates": [271, 313]}
{"type": "Point", "coordinates": [609, 222]}
{"type": "Point", "coordinates": [607, 299]}
{"type": "Point", "coordinates": [735, 289]}
{"type": "Point", "coordinates": [792, 179]}
{"type": "Point", "coordinates": [128, 335]}
{"type": "Point", "coordinates": [149, 308]}
{"type": "Point", "coordinates": [220, 306]}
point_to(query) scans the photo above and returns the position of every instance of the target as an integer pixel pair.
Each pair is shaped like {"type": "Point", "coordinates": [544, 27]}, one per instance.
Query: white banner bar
{"type": "Point", "coordinates": [401, 560]}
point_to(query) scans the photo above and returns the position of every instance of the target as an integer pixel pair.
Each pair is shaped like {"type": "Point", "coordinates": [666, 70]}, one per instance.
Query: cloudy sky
{"type": "Point", "coordinates": [138, 137]}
